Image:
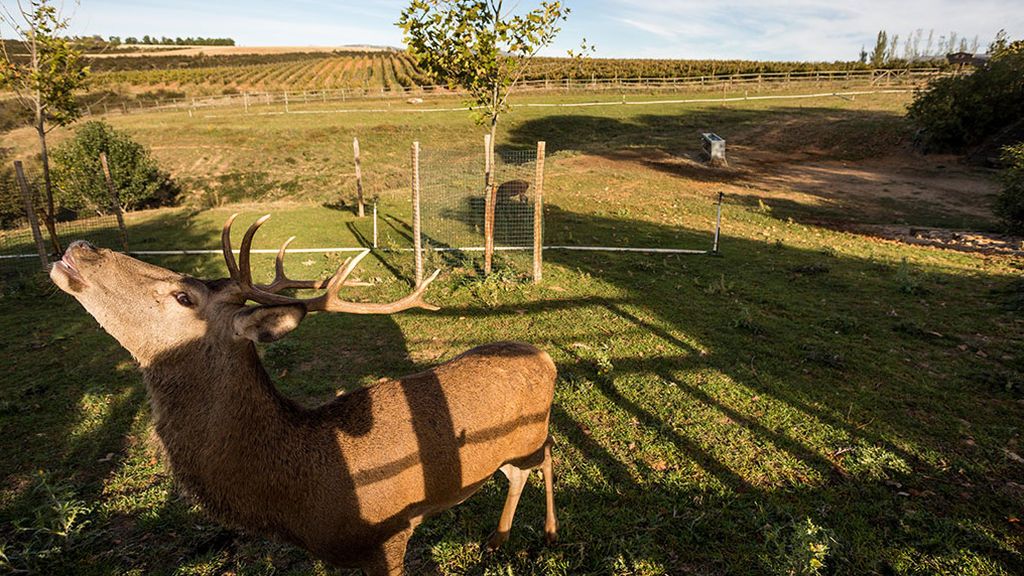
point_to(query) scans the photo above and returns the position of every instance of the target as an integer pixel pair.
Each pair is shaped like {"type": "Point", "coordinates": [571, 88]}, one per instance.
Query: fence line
{"type": "Point", "coordinates": [203, 252]}
{"type": "Point", "coordinates": [248, 100]}
{"type": "Point", "coordinates": [582, 104]}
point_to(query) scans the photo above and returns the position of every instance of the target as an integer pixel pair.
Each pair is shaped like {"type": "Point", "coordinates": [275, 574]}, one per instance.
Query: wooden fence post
{"type": "Point", "coordinates": [538, 215]}
{"type": "Point", "coordinates": [30, 213]}
{"type": "Point", "coordinates": [359, 177]}
{"type": "Point", "coordinates": [115, 200]}
{"type": "Point", "coordinates": [417, 240]}
{"type": "Point", "coordinates": [490, 200]}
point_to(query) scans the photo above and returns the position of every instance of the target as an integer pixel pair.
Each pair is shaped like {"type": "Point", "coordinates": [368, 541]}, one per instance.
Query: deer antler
{"type": "Point", "coordinates": [326, 302]}
{"type": "Point", "coordinates": [283, 282]}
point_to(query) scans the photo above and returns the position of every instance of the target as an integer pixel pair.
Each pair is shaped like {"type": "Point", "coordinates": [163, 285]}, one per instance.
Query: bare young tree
{"type": "Point", "coordinates": [894, 43]}
{"type": "Point", "coordinates": [44, 76]}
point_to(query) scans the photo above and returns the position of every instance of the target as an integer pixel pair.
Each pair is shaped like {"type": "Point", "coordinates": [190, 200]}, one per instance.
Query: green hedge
{"type": "Point", "coordinates": [78, 174]}
{"type": "Point", "coordinates": [961, 111]}
{"type": "Point", "coordinates": [1010, 204]}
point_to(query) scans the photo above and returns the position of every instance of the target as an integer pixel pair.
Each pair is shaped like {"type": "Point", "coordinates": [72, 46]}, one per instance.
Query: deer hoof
{"type": "Point", "coordinates": [496, 540]}
{"type": "Point", "coordinates": [551, 537]}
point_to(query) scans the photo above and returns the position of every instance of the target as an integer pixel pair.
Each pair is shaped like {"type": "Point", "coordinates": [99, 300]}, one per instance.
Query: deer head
{"type": "Point", "coordinates": [152, 311]}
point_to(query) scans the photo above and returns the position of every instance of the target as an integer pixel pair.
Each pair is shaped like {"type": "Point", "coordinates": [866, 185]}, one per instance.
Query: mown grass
{"type": "Point", "coordinates": [810, 402]}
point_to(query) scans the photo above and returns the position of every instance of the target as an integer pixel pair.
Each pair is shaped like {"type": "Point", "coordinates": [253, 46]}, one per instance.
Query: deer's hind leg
{"type": "Point", "coordinates": [389, 560]}
{"type": "Point", "coordinates": [517, 475]}
{"type": "Point", "coordinates": [516, 481]}
{"type": "Point", "coordinates": [550, 520]}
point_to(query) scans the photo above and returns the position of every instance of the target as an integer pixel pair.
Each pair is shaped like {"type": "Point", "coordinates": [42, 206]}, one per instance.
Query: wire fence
{"type": "Point", "coordinates": [288, 99]}
{"type": "Point", "coordinates": [454, 198]}
{"type": "Point", "coordinates": [19, 256]}
{"type": "Point", "coordinates": [456, 206]}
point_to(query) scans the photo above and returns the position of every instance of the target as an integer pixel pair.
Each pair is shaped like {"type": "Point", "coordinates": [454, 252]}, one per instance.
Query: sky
{"type": "Point", "coordinates": [821, 30]}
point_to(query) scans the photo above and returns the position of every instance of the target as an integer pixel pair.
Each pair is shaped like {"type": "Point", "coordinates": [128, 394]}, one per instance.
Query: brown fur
{"type": "Point", "coordinates": [349, 480]}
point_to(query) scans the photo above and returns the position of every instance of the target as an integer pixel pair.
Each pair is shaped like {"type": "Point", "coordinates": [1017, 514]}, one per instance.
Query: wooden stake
{"type": "Point", "coordinates": [30, 213]}
{"type": "Point", "coordinates": [487, 159]}
{"type": "Point", "coordinates": [417, 241]}
{"type": "Point", "coordinates": [490, 199]}
{"type": "Point", "coordinates": [359, 177]}
{"type": "Point", "coordinates": [115, 200]}
{"type": "Point", "coordinates": [538, 215]}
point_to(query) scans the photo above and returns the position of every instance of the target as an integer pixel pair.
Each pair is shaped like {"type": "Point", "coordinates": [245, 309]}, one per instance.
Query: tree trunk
{"type": "Point", "coordinates": [48, 217]}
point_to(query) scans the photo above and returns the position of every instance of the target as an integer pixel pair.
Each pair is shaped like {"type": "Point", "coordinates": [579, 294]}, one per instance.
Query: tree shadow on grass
{"type": "Point", "coordinates": [706, 410]}
{"type": "Point", "coordinates": [778, 385]}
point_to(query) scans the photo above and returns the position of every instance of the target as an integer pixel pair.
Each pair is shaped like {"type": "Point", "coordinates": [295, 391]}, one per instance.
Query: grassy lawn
{"type": "Point", "coordinates": [812, 401]}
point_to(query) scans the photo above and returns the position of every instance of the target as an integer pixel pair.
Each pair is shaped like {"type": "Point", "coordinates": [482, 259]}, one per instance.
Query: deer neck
{"type": "Point", "coordinates": [201, 395]}
{"type": "Point", "coordinates": [224, 428]}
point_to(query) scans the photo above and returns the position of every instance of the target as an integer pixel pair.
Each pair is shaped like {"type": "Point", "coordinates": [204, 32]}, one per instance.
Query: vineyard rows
{"type": "Point", "coordinates": [385, 70]}
{"type": "Point", "coordinates": [393, 71]}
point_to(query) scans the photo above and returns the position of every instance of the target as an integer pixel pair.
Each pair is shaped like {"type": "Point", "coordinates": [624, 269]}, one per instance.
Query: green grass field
{"type": "Point", "coordinates": [810, 402]}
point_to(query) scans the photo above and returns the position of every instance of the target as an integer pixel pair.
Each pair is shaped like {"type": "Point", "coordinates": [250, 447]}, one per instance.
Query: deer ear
{"type": "Point", "coordinates": [268, 323]}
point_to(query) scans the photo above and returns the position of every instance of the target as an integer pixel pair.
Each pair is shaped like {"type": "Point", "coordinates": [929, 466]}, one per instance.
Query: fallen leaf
{"type": "Point", "coordinates": [1013, 456]}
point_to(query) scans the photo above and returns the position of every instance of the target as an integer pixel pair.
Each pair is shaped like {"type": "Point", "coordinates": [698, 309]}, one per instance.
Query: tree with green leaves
{"type": "Point", "coordinates": [79, 178]}
{"type": "Point", "coordinates": [481, 46]}
{"type": "Point", "coordinates": [44, 78]}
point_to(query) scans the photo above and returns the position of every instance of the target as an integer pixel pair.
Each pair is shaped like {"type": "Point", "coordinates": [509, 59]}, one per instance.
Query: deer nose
{"type": "Point", "coordinates": [81, 244]}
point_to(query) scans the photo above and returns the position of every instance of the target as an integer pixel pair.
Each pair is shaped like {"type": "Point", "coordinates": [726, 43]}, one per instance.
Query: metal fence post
{"type": "Point", "coordinates": [374, 223]}
{"type": "Point", "coordinates": [115, 200]}
{"type": "Point", "coordinates": [718, 224]}
{"type": "Point", "coordinates": [30, 213]}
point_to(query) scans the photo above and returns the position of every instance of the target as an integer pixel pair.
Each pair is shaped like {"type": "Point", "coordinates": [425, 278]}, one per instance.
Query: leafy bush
{"type": "Point", "coordinates": [1010, 203]}
{"type": "Point", "coordinates": [960, 111]}
{"type": "Point", "coordinates": [78, 174]}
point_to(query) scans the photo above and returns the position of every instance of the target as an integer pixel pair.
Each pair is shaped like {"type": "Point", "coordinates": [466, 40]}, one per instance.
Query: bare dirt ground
{"type": "Point", "coordinates": [893, 186]}
{"type": "Point", "coordinates": [963, 240]}
{"type": "Point", "coordinates": [903, 196]}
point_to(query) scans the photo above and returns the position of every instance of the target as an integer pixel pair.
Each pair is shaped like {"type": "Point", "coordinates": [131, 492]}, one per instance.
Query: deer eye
{"type": "Point", "coordinates": [183, 299]}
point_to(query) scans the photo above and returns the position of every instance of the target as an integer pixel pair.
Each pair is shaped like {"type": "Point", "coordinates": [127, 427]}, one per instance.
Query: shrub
{"type": "Point", "coordinates": [78, 174]}
{"type": "Point", "coordinates": [1010, 203]}
{"type": "Point", "coordinates": [960, 111]}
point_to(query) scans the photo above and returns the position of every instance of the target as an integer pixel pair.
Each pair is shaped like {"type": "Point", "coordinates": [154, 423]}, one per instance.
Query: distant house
{"type": "Point", "coordinates": [967, 59]}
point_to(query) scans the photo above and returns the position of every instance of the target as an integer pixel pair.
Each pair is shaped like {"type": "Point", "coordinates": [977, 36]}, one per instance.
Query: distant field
{"type": "Point", "coordinates": [142, 50]}
{"type": "Point", "coordinates": [213, 70]}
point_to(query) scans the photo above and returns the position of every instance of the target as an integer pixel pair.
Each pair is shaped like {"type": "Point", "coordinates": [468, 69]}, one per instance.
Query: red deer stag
{"type": "Point", "coordinates": [349, 480]}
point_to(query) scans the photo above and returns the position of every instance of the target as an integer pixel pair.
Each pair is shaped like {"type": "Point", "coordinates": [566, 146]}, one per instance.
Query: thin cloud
{"type": "Point", "coordinates": [648, 27]}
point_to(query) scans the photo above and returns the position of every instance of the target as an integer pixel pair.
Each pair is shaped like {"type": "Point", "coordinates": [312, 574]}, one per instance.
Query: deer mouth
{"type": "Point", "coordinates": [67, 266]}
